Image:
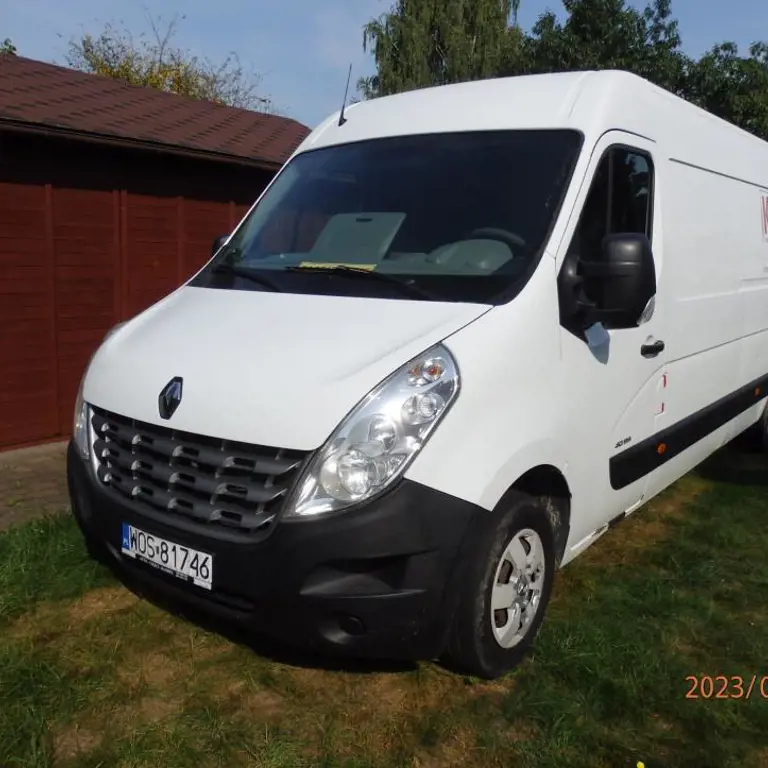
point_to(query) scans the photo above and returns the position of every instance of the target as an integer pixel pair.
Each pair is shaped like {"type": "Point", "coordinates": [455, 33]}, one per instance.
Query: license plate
{"type": "Point", "coordinates": [173, 559]}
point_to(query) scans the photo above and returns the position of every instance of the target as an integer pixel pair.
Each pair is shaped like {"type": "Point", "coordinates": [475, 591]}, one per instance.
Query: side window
{"type": "Point", "coordinates": [620, 200]}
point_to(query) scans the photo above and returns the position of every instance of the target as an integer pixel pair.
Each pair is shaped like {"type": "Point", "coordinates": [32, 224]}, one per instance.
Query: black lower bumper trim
{"type": "Point", "coordinates": [377, 582]}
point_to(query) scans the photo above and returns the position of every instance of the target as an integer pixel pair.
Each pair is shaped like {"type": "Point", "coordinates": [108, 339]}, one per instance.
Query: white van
{"type": "Point", "coordinates": [464, 331]}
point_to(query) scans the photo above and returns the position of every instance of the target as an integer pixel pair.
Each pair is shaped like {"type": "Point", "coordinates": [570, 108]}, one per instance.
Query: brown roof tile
{"type": "Point", "coordinates": [35, 93]}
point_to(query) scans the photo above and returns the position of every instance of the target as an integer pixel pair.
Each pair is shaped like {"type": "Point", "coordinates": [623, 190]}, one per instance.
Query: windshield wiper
{"type": "Point", "coordinates": [223, 268]}
{"type": "Point", "coordinates": [382, 277]}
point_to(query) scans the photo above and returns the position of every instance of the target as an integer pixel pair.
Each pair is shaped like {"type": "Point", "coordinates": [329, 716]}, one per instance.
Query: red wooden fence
{"type": "Point", "coordinates": [73, 262]}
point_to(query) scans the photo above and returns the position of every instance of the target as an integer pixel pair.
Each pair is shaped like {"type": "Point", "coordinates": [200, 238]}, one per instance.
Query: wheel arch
{"type": "Point", "coordinates": [548, 484]}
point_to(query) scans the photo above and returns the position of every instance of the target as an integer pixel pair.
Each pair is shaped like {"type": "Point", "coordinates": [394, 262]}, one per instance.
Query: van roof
{"type": "Point", "coordinates": [545, 101]}
{"type": "Point", "coordinates": [588, 101]}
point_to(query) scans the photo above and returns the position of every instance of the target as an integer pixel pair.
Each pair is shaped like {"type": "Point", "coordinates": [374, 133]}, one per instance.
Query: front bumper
{"type": "Point", "coordinates": [377, 582]}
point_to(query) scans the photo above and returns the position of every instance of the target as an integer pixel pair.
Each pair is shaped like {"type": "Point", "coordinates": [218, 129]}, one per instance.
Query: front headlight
{"type": "Point", "coordinates": [80, 426]}
{"type": "Point", "coordinates": [380, 437]}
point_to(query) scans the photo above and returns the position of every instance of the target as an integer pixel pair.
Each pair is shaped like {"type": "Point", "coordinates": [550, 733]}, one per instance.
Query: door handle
{"type": "Point", "coordinates": [651, 350]}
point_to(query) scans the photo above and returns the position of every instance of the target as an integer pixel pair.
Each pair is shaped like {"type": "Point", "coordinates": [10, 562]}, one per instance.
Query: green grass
{"type": "Point", "coordinates": [92, 676]}
{"type": "Point", "coordinates": [43, 560]}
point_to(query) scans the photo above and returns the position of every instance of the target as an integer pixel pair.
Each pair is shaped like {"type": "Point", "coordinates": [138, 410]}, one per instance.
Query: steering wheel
{"type": "Point", "coordinates": [493, 233]}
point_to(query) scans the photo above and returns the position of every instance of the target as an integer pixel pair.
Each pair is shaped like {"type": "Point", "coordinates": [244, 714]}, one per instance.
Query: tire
{"type": "Point", "coordinates": [483, 642]}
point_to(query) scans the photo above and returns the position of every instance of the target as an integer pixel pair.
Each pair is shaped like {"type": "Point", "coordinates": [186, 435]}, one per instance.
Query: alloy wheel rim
{"type": "Point", "coordinates": [517, 588]}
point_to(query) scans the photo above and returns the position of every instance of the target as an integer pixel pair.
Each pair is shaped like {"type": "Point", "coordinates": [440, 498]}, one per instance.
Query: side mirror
{"type": "Point", "coordinates": [217, 243]}
{"type": "Point", "coordinates": [614, 290]}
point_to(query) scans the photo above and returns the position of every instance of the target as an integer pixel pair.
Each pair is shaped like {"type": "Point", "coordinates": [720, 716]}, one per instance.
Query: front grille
{"type": "Point", "coordinates": [219, 485]}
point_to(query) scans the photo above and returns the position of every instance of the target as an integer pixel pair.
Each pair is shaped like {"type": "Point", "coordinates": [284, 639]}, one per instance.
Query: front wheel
{"type": "Point", "coordinates": [505, 592]}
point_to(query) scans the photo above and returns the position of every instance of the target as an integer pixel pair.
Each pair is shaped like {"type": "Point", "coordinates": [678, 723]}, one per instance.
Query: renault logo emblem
{"type": "Point", "coordinates": [170, 397]}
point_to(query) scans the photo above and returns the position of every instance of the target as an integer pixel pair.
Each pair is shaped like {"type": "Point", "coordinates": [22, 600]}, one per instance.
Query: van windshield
{"type": "Point", "coordinates": [447, 217]}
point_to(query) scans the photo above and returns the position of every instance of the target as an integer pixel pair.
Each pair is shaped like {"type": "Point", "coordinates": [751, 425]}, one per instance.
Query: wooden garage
{"type": "Point", "coordinates": [110, 196]}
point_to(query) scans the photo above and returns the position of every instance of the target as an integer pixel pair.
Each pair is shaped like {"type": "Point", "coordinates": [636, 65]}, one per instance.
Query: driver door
{"type": "Point", "coordinates": [618, 379]}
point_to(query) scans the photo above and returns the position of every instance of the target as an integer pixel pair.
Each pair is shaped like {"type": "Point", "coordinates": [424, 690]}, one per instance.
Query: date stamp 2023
{"type": "Point", "coordinates": [727, 687]}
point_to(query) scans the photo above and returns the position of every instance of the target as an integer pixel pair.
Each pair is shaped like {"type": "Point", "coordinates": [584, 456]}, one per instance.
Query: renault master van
{"type": "Point", "coordinates": [464, 331]}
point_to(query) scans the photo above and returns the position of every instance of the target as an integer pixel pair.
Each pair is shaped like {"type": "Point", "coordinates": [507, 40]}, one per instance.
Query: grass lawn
{"type": "Point", "coordinates": [92, 676]}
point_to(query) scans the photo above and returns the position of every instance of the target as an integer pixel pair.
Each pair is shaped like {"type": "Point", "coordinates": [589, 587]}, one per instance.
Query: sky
{"type": "Point", "coordinates": [302, 49]}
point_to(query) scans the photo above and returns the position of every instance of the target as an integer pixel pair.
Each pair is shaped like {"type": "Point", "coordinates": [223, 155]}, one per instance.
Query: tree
{"type": "Point", "coordinates": [410, 50]}
{"type": "Point", "coordinates": [732, 86]}
{"type": "Point", "coordinates": [606, 34]}
{"type": "Point", "coordinates": [7, 47]}
{"type": "Point", "coordinates": [431, 42]}
{"type": "Point", "coordinates": [155, 62]}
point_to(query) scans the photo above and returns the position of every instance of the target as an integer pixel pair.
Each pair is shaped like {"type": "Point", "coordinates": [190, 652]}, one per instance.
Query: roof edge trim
{"type": "Point", "coordinates": [107, 139]}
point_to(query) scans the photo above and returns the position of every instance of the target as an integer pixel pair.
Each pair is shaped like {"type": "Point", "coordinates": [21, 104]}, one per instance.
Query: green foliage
{"type": "Point", "coordinates": [419, 44]}
{"type": "Point", "coordinates": [431, 42]}
{"type": "Point", "coordinates": [732, 86]}
{"type": "Point", "coordinates": [606, 34]}
{"type": "Point", "coordinates": [7, 47]}
{"type": "Point", "coordinates": [157, 63]}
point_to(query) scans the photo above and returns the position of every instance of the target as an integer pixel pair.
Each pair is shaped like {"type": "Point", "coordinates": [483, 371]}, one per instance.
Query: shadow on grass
{"type": "Point", "coordinates": [605, 686]}
{"type": "Point", "coordinates": [742, 462]}
{"type": "Point", "coordinates": [260, 644]}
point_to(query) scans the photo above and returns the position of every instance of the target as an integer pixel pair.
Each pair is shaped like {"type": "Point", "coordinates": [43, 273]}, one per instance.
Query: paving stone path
{"type": "Point", "coordinates": [33, 482]}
